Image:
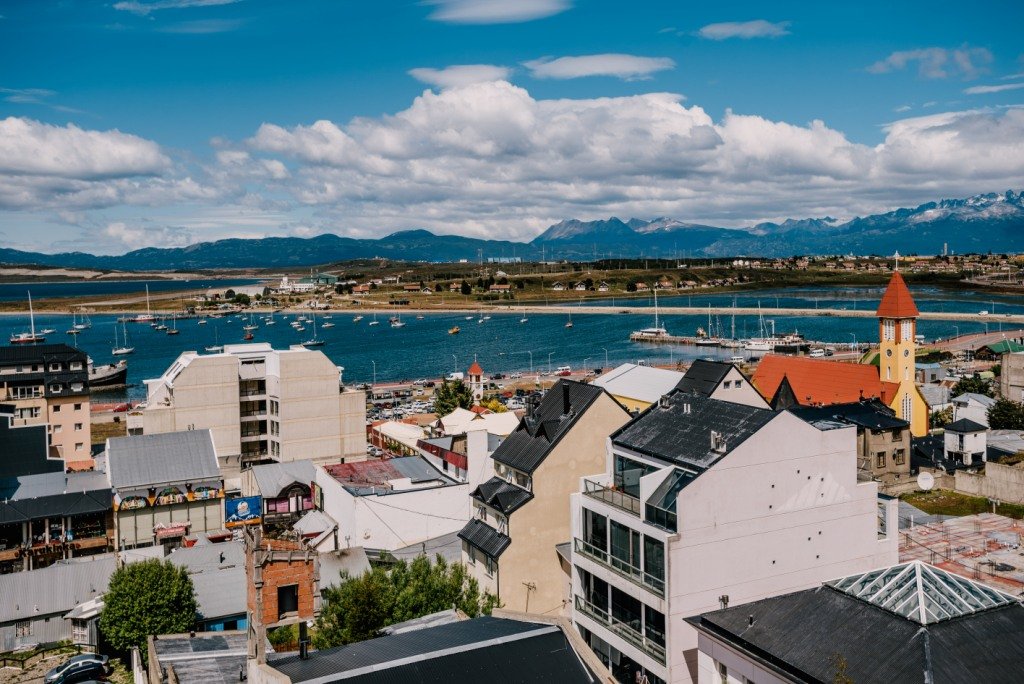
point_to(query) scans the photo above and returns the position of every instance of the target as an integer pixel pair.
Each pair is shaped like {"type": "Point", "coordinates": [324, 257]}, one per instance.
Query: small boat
{"type": "Point", "coordinates": [47, 331]}
{"type": "Point", "coordinates": [174, 326]}
{"type": "Point", "coordinates": [357, 319]}
{"type": "Point", "coordinates": [420, 317]}
{"type": "Point", "coordinates": [469, 318]}
{"type": "Point", "coordinates": [29, 337]}
{"type": "Point", "coordinates": [487, 318]}
{"type": "Point", "coordinates": [454, 330]}
{"type": "Point", "coordinates": [108, 375]}
{"type": "Point", "coordinates": [479, 320]}
{"type": "Point", "coordinates": [328, 324]}
{"type": "Point", "coordinates": [301, 328]}
{"type": "Point", "coordinates": [524, 319]}
{"type": "Point", "coordinates": [374, 321]}
{"type": "Point", "coordinates": [568, 324]}
{"type": "Point", "coordinates": [73, 331]}
{"type": "Point", "coordinates": [397, 323]}
{"type": "Point", "coordinates": [247, 336]}
{"type": "Point", "coordinates": [314, 341]}
{"type": "Point", "coordinates": [124, 349]}
{"type": "Point", "coordinates": [201, 321]}
{"type": "Point", "coordinates": [269, 320]}
{"type": "Point", "coordinates": [215, 348]}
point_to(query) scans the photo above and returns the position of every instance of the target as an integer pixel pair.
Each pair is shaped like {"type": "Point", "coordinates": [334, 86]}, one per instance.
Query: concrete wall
{"type": "Point", "coordinates": [71, 444]}
{"type": "Point", "coordinates": [352, 415]}
{"type": "Point", "coordinates": [1011, 380]}
{"type": "Point", "coordinates": [739, 668]}
{"type": "Point", "coordinates": [1001, 482]}
{"type": "Point", "coordinates": [307, 387]}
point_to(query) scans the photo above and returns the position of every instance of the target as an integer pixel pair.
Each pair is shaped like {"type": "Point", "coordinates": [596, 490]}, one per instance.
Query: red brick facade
{"type": "Point", "coordinates": [275, 563]}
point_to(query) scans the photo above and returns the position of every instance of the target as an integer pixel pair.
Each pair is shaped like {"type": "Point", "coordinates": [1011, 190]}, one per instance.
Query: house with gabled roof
{"type": "Point", "coordinates": [521, 514]}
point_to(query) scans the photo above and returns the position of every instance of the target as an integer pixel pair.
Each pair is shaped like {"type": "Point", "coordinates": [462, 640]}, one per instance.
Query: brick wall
{"type": "Point", "coordinates": [283, 563]}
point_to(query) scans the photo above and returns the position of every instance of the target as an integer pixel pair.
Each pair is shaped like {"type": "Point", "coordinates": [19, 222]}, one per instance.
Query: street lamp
{"type": "Point", "coordinates": [374, 372]}
{"type": "Point", "coordinates": [585, 364]}
{"type": "Point", "coordinates": [456, 360]}
{"type": "Point", "coordinates": [605, 356]}
{"type": "Point", "coordinates": [531, 358]}
{"type": "Point", "coordinates": [549, 361]}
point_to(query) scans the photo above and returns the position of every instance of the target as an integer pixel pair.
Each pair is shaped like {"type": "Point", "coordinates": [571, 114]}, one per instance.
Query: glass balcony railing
{"type": "Point", "coordinates": [643, 579]}
{"type": "Point", "coordinates": [615, 497]}
{"type": "Point", "coordinates": [626, 631]}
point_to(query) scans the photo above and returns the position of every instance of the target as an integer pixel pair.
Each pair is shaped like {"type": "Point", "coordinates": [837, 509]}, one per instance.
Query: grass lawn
{"type": "Point", "coordinates": [945, 502]}
{"type": "Point", "coordinates": [101, 431]}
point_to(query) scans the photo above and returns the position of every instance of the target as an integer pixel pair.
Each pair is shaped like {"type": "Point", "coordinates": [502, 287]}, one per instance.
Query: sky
{"type": "Point", "coordinates": [153, 123]}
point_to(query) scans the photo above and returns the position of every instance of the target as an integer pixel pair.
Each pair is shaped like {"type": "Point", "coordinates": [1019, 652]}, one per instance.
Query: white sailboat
{"type": "Point", "coordinates": [374, 321]}
{"type": "Point", "coordinates": [397, 323]}
{"type": "Point", "coordinates": [314, 341]}
{"type": "Point", "coordinates": [653, 333]}
{"type": "Point", "coordinates": [568, 324]}
{"type": "Point", "coordinates": [123, 349]}
{"type": "Point", "coordinates": [216, 347]}
{"type": "Point", "coordinates": [147, 317]}
{"type": "Point", "coordinates": [174, 325]}
{"type": "Point", "coordinates": [29, 337]}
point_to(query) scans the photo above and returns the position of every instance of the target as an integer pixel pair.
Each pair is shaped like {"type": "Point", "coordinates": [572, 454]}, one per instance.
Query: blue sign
{"type": "Point", "coordinates": [247, 510]}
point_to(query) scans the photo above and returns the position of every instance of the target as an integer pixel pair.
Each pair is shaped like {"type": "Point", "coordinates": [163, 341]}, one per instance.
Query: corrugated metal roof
{"type": "Point", "coordinates": [351, 561]}
{"type": "Point", "coordinates": [873, 415]}
{"type": "Point", "coordinates": [500, 495]}
{"type": "Point", "coordinates": [703, 376]}
{"type": "Point", "coordinates": [642, 383]}
{"type": "Point", "coordinates": [171, 457]}
{"type": "Point", "coordinates": [56, 589]}
{"type": "Point", "coordinates": [484, 537]}
{"type": "Point", "coordinates": [218, 575]}
{"type": "Point", "coordinates": [272, 478]}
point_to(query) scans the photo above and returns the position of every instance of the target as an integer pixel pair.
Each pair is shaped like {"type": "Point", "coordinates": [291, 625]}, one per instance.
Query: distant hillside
{"type": "Point", "coordinates": [991, 222]}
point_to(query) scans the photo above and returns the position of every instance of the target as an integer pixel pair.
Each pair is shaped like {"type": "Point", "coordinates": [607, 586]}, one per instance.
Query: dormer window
{"type": "Point", "coordinates": [54, 367]}
{"type": "Point", "coordinates": [55, 389]}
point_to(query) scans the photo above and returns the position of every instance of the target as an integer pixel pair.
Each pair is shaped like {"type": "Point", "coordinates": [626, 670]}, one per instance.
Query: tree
{"type": "Point", "coordinates": [465, 289]}
{"type": "Point", "coordinates": [942, 417]}
{"type": "Point", "coordinates": [496, 406]}
{"type": "Point", "coordinates": [242, 299]}
{"type": "Point", "coordinates": [438, 288]}
{"type": "Point", "coordinates": [150, 597]}
{"type": "Point", "coordinates": [975, 384]}
{"type": "Point", "coordinates": [230, 294]}
{"type": "Point", "coordinates": [1006, 414]}
{"type": "Point", "coordinates": [359, 607]}
{"type": "Point", "coordinates": [450, 395]}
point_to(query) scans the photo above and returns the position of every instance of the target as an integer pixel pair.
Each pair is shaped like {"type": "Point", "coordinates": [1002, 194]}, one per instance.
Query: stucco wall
{"type": "Point", "coordinates": [1001, 482]}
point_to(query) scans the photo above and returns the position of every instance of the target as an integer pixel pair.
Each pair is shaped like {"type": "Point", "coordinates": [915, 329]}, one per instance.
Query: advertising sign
{"type": "Point", "coordinates": [246, 510]}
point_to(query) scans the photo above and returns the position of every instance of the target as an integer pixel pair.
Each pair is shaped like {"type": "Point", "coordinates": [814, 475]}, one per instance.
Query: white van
{"type": "Point", "coordinates": [817, 353]}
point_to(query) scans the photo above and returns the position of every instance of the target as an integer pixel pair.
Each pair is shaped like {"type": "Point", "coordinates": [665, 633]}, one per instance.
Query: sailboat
{"type": "Point", "coordinates": [397, 322]}
{"type": "Point", "coordinates": [328, 324]}
{"type": "Point", "coordinates": [84, 323]}
{"type": "Point", "coordinates": [524, 319]}
{"type": "Point", "coordinates": [251, 325]}
{"type": "Point", "coordinates": [356, 319]}
{"type": "Point", "coordinates": [708, 339]}
{"type": "Point", "coordinates": [568, 324]}
{"type": "Point", "coordinates": [201, 321]}
{"type": "Point", "coordinates": [270, 320]}
{"type": "Point", "coordinates": [313, 341]}
{"type": "Point", "coordinates": [147, 317]}
{"type": "Point", "coordinates": [73, 330]}
{"type": "Point", "coordinates": [374, 321]}
{"type": "Point", "coordinates": [124, 349]}
{"type": "Point", "coordinates": [653, 333]}
{"type": "Point", "coordinates": [174, 325]}
{"type": "Point", "coordinates": [216, 346]}
{"type": "Point", "coordinates": [765, 343]}
{"type": "Point", "coordinates": [29, 337]}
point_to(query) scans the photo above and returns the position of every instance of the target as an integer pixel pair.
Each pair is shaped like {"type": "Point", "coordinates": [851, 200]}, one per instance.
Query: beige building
{"type": "Point", "coordinates": [1011, 378]}
{"type": "Point", "coordinates": [261, 404]}
{"type": "Point", "coordinates": [522, 513]}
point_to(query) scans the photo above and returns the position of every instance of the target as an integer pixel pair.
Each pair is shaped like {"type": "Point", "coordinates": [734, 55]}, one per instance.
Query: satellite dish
{"type": "Point", "coordinates": [925, 481]}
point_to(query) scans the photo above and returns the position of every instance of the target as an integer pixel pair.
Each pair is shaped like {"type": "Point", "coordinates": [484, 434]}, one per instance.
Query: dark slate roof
{"type": "Point", "coordinates": [678, 428]}
{"type": "Point", "coordinates": [878, 646]}
{"type": "Point", "coordinates": [500, 495]}
{"type": "Point", "coordinates": [965, 425]}
{"type": "Point", "coordinates": [486, 649]}
{"type": "Point", "coordinates": [33, 497]}
{"type": "Point", "coordinates": [39, 353]}
{"type": "Point", "coordinates": [529, 444]}
{"type": "Point", "coordinates": [702, 377]}
{"type": "Point", "coordinates": [871, 414]}
{"type": "Point", "coordinates": [484, 537]}
{"type": "Point", "coordinates": [23, 451]}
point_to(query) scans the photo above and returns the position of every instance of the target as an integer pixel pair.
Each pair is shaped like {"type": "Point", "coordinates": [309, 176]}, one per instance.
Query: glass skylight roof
{"type": "Point", "coordinates": [921, 592]}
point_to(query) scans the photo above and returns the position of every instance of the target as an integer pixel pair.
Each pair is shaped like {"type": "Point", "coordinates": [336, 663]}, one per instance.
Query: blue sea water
{"type": "Point", "coordinates": [423, 348]}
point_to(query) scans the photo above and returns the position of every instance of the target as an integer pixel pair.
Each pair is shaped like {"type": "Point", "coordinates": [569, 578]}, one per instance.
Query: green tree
{"type": "Point", "coordinates": [358, 608]}
{"type": "Point", "coordinates": [942, 417]}
{"type": "Point", "coordinates": [450, 395]}
{"type": "Point", "coordinates": [465, 289]}
{"type": "Point", "coordinates": [242, 299]}
{"type": "Point", "coordinates": [1006, 414]}
{"type": "Point", "coordinates": [230, 294]}
{"type": "Point", "coordinates": [496, 406]}
{"type": "Point", "coordinates": [150, 597]}
{"type": "Point", "coordinates": [975, 384]}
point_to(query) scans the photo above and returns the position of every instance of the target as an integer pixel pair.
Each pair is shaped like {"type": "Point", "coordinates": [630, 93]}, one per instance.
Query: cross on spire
{"type": "Point", "coordinates": [897, 258]}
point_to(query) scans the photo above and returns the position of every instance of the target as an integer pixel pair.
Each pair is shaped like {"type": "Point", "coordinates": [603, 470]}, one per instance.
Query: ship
{"type": "Point", "coordinates": [657, 332]}
{"type": "Point", "coordinates": [108, 375]}
{"type": "Point", "coordinates": [454, 330]}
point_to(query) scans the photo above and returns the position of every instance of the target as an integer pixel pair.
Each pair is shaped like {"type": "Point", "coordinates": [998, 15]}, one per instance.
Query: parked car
{"type": "Point", "coordinates": [80, 668]}
{"type": "Point", "coordinates": [515, 376]}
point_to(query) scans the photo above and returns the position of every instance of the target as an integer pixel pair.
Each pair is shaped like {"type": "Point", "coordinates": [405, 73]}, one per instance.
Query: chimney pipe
{"type": "Point", "coordinates": [565, 399]}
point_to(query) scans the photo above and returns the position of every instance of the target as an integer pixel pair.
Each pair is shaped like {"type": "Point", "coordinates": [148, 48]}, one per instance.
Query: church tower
{"type": "Point", "coordinates": [897, 328]}
{"type": "Point", "coordinates": [475, 378]}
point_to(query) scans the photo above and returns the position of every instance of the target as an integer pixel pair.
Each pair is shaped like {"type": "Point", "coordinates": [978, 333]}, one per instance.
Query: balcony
{"type": "Point", "coordinates": [611, 496]}
{"type": "Point", "coordinates": [253, 414]}
{"type": "Point", "coordinates": [627, 632]}
{"type": "Point", "coordinates": [645, 580]}
{"type": "Point", "coordinates": [253, 436]}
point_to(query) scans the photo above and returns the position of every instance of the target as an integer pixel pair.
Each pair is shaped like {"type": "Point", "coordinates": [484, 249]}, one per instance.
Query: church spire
{"type": "Point", "coordinates": [897, 302]}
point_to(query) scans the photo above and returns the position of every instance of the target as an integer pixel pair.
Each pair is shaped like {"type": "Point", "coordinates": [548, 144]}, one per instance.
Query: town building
{"type": "Point", "coordinates": [218, 576]}
{"type": "Point", "coordinates": [285, 490]}
{"type": "Point", "coordinates": [520, 514]}
{"type": "Point", "coordinates": [282, 585]}
{"type": "Point", "coordinates": [637, 387]}
{"type": "Point", "coordinates": [788, 381]}
{"type": "Point", "coordinates": [701, 502]}
{"type": "Point", "coordinates": [166, 486]}
{"type": "Point", "coordinates": [1011, 376]}
{"type": "Point", "coordinates": [720, 380]}
{"type": "Point", "coordinates": [48, 384]}
{"type": "Point", "coordinates": [261, 404]}
{"type": "Point", "coordinates": [461, 421]}
{"type": "Point", "coordinates": [972, 406]}
{"type": "Point", "coordinates": [883, 440]}
{"type": "Point", "coordinates": [910, 622]}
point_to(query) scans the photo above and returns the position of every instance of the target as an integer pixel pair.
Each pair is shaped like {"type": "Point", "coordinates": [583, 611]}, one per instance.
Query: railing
{"type": "Point", "coordinates": [616, 498]}
{"type": "Point", "coordinates": [622, 568]}
{"type": "Point", "coordinates": [252, 392]}
{"type": "Point", "coordinates": [252, 413]}
{"type": "Point", "coordinates": [622, 629]}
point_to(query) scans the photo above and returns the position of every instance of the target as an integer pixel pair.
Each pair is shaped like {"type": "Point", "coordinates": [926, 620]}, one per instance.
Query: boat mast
{"type": "Point", "coordinates": [31, 317]}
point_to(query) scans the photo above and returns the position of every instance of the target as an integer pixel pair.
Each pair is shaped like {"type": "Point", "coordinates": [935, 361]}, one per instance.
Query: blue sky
{"type": "Point", "coordinates": [166, 122]}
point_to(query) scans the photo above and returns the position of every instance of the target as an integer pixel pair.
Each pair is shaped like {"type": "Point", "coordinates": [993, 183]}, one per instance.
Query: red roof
{"type": "Point", "coordinates": [897, 302]}
{"type": "Point", "coordinates": [817, 381]}
{"type": "Point", "coordinates": [475, 369]}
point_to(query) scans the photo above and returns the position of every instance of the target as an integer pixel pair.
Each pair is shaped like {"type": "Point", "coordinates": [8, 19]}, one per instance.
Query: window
{"type": "Point", "coordinates": [23, 628]}
{"type": "Point", "coordinates": [76, 365]}
{"type": "Point", "coordinates": [908, 408]}
{"type": "Point", "coordinates": [287, 600]}
{"type": "Point", "coordinates": [625, 545]}
{"type": "Point", "coordinates": [78, 427]}
{"type": "Point", "coordinates": [723, 673]}
{"type": "Point", "coordinates": [489, 566]}
{"type": "Point", "coordinates": [57, 429]}
{"type": "Point", "coordinates": [595, 530]}
{"type": "Point", "coordinates": [55, 388]}
{"type": "Point", "coordinates": [880, 459]}
{"type": "Point", "coordinates": [906, 331]}
{"type": "Point", "coordinates": [888, 330]}
{"type": "Point", "coordinates": [481, 513]}
{"type": "Point", "coordinates": [471, 554]}
{"type": "Point", "coordinates": [79, 446]}
{"type": "Point", "coordinates": [900, 457]}
{"type": "Point", "coordinates": [274, 407]}
{"type": "Point", "coordinates": [737, 384]}
{"type": "Point", "coordinates": [80, 631]}
{"type": "Point", "coordinates": [523, 480]}
{"type": "Point", "coordinates": [628, 473]}
{"type": "Point", "coordinates": [654, 560]}
{"type": "Point", "coordinates": [78, 407]}
{"type": "Point", "coordinates": [54, 367]}
{"type": "Point", "coordinates": [56, 408]}
{"type": "Point", "coordinates": [275, 428]}
{"type": "Point", "coordinates": [727, 384]}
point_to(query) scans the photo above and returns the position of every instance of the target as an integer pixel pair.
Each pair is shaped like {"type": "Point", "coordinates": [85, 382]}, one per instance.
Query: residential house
{"type": "Point", "coordinates": [165, 486]}
{"type": "Point", "coordinates": [261, 404]}
{"type": "Point", "coordinates": [558, 287]}
{"type": "Point", "coordinates": [48, 384]}
{"type": "Point", "coordinates": [995, 350]}
{"type": "Point", "coordinates": [361, 290]}
{"type": "Point", "coordinates": [455, 287]}
{"type": "Point", "coordinates": [702, 502]}
{"type": "Point", "coordinates": [928, 373]}
{"type": "Point", "coordinates": [637, 387]}
{"type": "Point", "coordinates": [642, 287]}
{"type": "Point", "coordinates": [603, 286]}
{"type": "Point", "coordinates": [461, 421]}
{"type": "Point", "coordinates": [720, 380]}
{"type": "Point", "coordinates": [500, 288]}
{"type": "Point", "coordinates": [972, 406]}
{"type": "Point", "coordinates": [218, 576]}
{"type": "Point", "coordinates": [581, 286]}
{"type": "Point", "coordinates": [902, 623]}
{"type": "Point", "coordinates": [285, 490]}
{"type": "Point", "coordinates": [521, 514]}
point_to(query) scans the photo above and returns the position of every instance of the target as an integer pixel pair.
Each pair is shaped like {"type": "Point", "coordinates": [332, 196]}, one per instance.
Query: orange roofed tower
{"type": "Point", "coordinates": [897, 335]}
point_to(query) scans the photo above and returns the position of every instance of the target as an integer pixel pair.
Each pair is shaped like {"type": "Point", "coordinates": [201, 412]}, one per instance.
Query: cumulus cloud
{"type": "Point", "coordinates": [460, 74]}
{"type": "Point", "coordinates": [986, 89]}
{"type": "Point", "coordinates": [627, 67]}
{"type": "Point", "coordinates": [759, 28]}
{"type": "Point", "coordinates": [145, 8]}
{"type": "Point", "coordinates": [936, 62]}
{"type": "Point", "coordinates": [495, 11]}
{"type": "Point", "coordinates": [130, 237]}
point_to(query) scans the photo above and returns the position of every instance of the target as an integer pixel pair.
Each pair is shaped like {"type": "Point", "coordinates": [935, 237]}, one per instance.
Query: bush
{"type": "Point", "coordinates": [150, 597]}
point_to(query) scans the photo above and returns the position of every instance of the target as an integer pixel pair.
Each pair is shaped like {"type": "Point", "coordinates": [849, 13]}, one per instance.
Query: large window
{"type": "Point", "coordinates": [654, 625]}
{"type": "Point", "coordinates": [625, 545]}
{"type": "Point", "coordinates": [626, 609]}
{"type": "Point", "coordinates": [654, 558]}
{"type": "Point", "coordinates": [628, 474]}
{"type": "Point", "coordinates": [595, 529]}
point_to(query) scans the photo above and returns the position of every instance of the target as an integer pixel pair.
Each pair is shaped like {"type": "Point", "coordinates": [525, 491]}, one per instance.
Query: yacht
{"type": "Point", "coordinates": [374, 321]}
{"type": "Point", "coordinates": [396, 322]}
{"type": "Point", "coordinates": [454, 330]}
{"type": "Point", "coordinates": [30, 337]}
{"type": "Point", "coordinates": [314, 341]}
{"type": "Point", "coordinates": [653, 333]}
{"type": "Point", "coordinates": [108, 375]}
{"type": "Point", "coordinates": [123, 349]}
{"type": "Point", "coordinates": [356, 319]}
{"type": "Point", "coordinates": [147, 317]}
{"type": "Point", "coordinates": [174, 326]}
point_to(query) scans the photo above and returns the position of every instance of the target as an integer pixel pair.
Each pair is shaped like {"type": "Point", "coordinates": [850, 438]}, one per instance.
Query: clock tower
{"type": "Point", "coordinates": [897, 328]}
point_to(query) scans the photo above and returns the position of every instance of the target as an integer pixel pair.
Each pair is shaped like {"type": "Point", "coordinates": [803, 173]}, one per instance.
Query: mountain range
{"type": "Point", "coordinates": [982, 223]}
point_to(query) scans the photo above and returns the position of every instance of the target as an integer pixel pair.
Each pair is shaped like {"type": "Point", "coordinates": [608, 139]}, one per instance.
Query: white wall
{"type": "Point", "coordinates": [739, 391]}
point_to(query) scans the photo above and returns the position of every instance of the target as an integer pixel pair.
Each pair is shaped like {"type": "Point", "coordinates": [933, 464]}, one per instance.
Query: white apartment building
{"type": "Point", "coordinates": [261, 405]}
{"type": "Point", "coordinates": [706, 503]}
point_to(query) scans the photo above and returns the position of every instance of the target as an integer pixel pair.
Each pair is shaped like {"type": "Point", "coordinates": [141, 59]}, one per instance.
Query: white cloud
{"type": "Point", "coordinates": [129, 237]}
{"type": "Point", "coordinates": [759, 28]}
{"type": "Point", "coordinates": [936, 62]}
{"type": "Point", "coordinates": [26, 95]}
{"type": "Point", "coordinates": [144, 8]}
{"type": "Point", "coordinates": [986, 89]}
{"type": "Point", "coordinates": [903, 108]}
{"type": "Point", "coordinates": [460, 74]}
{"type": "Point", "coordinates": [203, 26]}
{"type": "Point", "coordinates": [495, 11]}
{"type": "Point", "coordinates": [628, 67]}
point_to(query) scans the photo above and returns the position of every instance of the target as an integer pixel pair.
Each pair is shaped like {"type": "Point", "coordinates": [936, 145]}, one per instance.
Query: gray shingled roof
{"type": "Point", "coordinates": [529, 444]}
{"type": "Point", "coordinates": [500, 495]}
{"type": "Point", "coordinates": [484, 537]}
{"type": "Point", "coordinates": [272, 478]}
{"type": "Point", "coordinates": [965, 425]}
{"type": "Point", "coordinates": [206, 658]}
{"type": "Point", "coordinates": [678, 429]}
{"type": "Point", "coordinates": [171, 457]}
{"type": "Point", "coordinates": [54, 589]}
{"type": "Point", "coordinates": [871, 414]}
{"type": "Point", "coordinates": [702, 377]}
{"type": "Point", "coordinates": [218, 575]}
